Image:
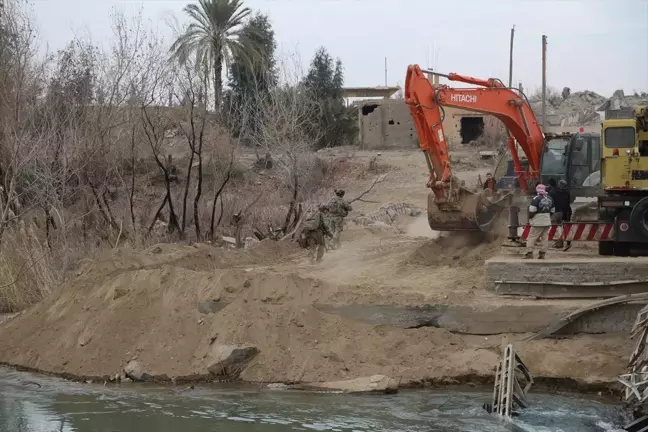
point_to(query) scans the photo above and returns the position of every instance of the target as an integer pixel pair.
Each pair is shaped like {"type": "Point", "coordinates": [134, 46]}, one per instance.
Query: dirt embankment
{"type": "Point", "coordinates": [169, 308]}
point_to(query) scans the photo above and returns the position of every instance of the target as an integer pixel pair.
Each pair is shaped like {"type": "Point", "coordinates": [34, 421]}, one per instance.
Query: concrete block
{"type": "Point", "coordinates": [491, 320]}
{"type": "Point", "coordinates": [566, 270]}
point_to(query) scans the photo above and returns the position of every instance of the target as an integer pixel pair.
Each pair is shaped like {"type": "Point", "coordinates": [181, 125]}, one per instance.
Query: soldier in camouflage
{"type": "Point", "coordinates": [338, 210]}
{"type": "Point", "coordinates": [314, 230]}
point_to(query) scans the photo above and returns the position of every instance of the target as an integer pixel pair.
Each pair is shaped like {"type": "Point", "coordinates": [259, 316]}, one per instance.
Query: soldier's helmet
{"type": "Point", "coordinates": [339, 192]}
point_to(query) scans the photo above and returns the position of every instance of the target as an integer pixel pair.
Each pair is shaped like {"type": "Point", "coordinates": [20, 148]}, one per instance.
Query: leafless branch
{"type": "Point", "coordinates": [366, 191]}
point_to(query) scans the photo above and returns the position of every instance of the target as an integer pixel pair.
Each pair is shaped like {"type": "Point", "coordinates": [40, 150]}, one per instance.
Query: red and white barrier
{"type": "Point", "coordinates": [577, 231]}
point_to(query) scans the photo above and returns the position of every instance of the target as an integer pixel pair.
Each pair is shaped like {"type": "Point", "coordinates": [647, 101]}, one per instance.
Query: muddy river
{"type": "Point", "coordinates": [32, 403]}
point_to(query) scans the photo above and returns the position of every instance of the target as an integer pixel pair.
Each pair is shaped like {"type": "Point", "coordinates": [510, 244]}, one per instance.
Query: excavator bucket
{"type": "Point", "coordinates": [472, 211]}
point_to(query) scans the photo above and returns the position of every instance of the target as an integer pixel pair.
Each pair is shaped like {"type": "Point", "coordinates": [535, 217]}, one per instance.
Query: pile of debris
{"type": "Point", "coordinates": [571, 109]}
{"type": "Point", "coordinates": [388, 213]}
{"type": "Point", "coordinates": [622, 106]}
{"type": "Point", "coordinates": [635, 381]}
{"type": "Point", "coordinates": [583, 108]}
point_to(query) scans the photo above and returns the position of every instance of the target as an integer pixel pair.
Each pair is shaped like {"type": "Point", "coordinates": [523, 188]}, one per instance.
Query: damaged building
{"type": "Point", "coordinates": [387, 123]}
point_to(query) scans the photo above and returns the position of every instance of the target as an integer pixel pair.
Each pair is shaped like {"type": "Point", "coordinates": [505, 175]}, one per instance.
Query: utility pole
{"type": "Point", "coordinates": [385, 71]}
{"type": "Point", "coordinates": [544, 82]}
{"type": "Point", "coordinates": [510, 83]}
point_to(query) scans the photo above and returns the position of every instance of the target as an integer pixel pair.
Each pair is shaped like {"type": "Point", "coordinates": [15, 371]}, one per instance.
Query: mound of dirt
{"type": "Point", "coordinates": [198, 257]}
{"type": "Point", "coordinates": [172, 310]}
{"type": "Point", "coordinates": [458, 249]}
{"type": "Point", "coordinates": [308, 345]}
{"type": "Point", "coordinates": [148, 309]}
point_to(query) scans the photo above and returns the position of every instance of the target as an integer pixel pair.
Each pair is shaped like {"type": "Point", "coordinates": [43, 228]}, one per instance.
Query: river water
{"type": "Point", "coordinates": [32, 403]}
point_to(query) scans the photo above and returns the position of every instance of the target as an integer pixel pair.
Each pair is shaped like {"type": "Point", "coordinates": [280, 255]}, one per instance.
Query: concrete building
{"type": "Point", "coordinates": [384, 92]}
{"type": "Point", "coordinates": [387, 124]}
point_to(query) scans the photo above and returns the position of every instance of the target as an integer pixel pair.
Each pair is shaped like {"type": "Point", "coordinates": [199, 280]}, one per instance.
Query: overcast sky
{"type": "Point", "coordinates": [600, 45]}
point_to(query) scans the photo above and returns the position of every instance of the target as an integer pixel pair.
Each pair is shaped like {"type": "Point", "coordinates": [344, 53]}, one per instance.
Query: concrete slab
{"type": "Point", "coordinates": [560, 290]}
{"type": "Point", "coordinates": [555, 278]}
{"type": "Point", "coordinates": [522, 318]}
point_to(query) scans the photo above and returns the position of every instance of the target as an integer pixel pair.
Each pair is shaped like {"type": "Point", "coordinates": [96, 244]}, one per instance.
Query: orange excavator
{"type": "Point", "coordinates": [452, 206]}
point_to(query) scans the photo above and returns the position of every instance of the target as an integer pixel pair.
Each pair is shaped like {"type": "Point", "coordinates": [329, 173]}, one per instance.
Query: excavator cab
{"type": "Point", "coordinates": [575, 158]}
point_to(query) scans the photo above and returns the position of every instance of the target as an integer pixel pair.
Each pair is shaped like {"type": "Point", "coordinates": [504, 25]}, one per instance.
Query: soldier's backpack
{"type": "Point", "coordinates": [311, 224]}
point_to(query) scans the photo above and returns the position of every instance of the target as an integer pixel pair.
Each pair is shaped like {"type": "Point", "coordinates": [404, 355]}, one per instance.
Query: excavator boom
{"type": "Point", "coordinates": [451, 206]}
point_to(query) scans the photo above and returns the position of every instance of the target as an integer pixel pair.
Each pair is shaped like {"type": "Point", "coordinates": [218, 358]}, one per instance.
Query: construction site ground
{"type": "Point", "coordinates": [397, 299]}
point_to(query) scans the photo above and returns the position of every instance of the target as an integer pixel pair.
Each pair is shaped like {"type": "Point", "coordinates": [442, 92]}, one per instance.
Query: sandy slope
{"type": "Point", "coordinates": [143, 305]}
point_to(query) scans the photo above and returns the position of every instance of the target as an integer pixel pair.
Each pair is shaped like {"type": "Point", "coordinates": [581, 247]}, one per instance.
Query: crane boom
{"type": "Point", "coordinates": [508, 105]}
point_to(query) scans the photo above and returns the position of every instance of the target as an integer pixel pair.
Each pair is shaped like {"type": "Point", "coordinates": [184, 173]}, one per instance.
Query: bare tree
{"type": "Point", "coordinates": [192, 87]}
{"type": "Point", "coordinates": [225, 171]}
{"type": "Point", "coordinates": [154, 124]}
{"type": "Point", "coordinates": [287, 131]}
{"type": "Point", "coordinates": [20, 81]}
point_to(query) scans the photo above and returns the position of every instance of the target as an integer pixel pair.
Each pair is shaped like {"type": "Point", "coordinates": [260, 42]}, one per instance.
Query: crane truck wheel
{"type": "Point", "coordinates": [606, 248]}
{"type": "Point", "coordinates": [639, 219]}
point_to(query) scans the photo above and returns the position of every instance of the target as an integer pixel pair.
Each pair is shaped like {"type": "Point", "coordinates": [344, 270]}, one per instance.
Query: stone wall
{"type": "Point", "coordinates": [386, 124]}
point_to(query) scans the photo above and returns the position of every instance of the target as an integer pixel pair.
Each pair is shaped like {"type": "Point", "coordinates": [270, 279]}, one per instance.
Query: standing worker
{"type": "Point", "coordinates": [562, 204]}
{"type": "Point", "coordinates": [338, 210]}
{"type": "Point", "coordinates": [540, 211]}
{"type": "Point", "coordinates": [490, 182]}
{"type": "Point", "coordinates": [315, 228]}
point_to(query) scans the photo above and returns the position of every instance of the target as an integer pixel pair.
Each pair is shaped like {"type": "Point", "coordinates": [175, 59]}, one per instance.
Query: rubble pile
{"type": "Point", "coordinates": [583, 108]}
{"type": "Point", "coordinates": [388, 213]}
{"type": "Point", "coordinates": [578, 109]}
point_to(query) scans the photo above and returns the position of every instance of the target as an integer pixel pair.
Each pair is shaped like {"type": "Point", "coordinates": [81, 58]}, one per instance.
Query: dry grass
{"type": "Point", "coordinates": [30, 270]}
{"type": "Point", "coordinates": [27, 270]}
{"type": "Point", "coordinates": [266, 197]}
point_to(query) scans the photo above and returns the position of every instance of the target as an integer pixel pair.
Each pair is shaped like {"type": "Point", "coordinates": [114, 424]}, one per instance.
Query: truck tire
{"type": "Point", "coordinates": [639, 218]}
{"type": "Point", "coordinates": [622, 249]}
{"type": "Point", "coordinates": [606, 248]}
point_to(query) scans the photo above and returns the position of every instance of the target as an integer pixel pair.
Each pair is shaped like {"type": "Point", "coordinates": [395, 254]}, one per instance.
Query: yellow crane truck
{"type": "Point", "coordinates": [623, 198]}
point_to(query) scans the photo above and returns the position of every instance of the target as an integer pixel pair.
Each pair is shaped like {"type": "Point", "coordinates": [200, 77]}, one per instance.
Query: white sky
{"type": "Point", "coordinates": [600, 45]}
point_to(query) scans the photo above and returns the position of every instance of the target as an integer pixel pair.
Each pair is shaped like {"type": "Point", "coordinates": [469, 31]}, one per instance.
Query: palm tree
{"type": "Point", "coordinates": [215, 36]}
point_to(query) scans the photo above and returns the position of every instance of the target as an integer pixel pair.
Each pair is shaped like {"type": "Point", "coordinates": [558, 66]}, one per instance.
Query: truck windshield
{"type": "Point", "coordinates": [554, 158]}
{"type": "Point", "coordinates": [620, 137]}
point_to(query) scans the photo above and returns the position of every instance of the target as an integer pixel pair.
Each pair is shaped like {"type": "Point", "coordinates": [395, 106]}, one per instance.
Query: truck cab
{"type": "Point", "coordinates": [575, 158]}
{"type": "Point", "coordinates": [623, 200]}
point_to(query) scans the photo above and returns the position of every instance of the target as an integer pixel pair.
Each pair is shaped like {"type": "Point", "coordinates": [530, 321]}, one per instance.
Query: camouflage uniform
{"type": "Point", "coordinates": [338, 210]}
{"type": "Point", "coordinates": [314, 230]}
